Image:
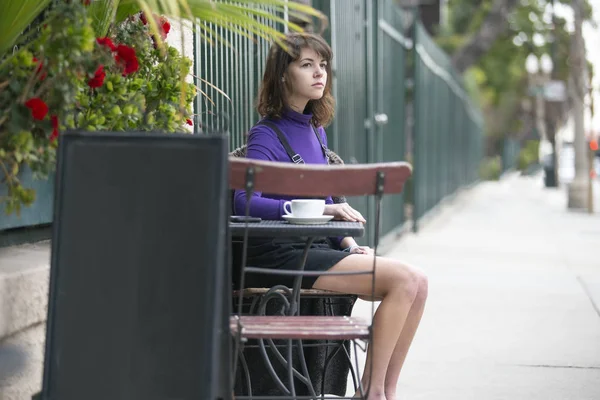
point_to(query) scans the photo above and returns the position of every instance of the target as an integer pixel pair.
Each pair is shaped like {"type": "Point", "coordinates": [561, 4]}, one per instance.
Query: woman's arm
{"type": "Point", "coordinates": [261, 142]}
{"type": "Point", "coordinates": [347, 242]}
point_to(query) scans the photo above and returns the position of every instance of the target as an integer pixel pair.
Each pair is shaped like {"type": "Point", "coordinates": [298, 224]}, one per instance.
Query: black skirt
{"type": "Point", "coordinates": [284, 253]}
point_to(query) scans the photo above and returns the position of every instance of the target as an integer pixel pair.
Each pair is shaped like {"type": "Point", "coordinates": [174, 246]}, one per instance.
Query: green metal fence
{"type": "Point", "coordinates": [228, 70]}
{"type": "Point", "coordinates": [389, 99]}
{"type": "Point", "coordinates": [510, 154]}
{"type": "Point", "coordinates": [448, 134]}
{"type": "Point", "coordinates": [348, 135]}
{"type": "Point", "coordinates": [370, 51]}
{"type": "Point", "coordinates": [373, 44]}
{"type": "Point", "coordinates": [377, 50]}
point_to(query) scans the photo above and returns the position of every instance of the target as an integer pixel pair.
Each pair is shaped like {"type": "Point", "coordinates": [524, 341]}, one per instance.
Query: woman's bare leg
{"type": "Point", "coordinates": [405, 340]}
{"type": "Point", "coordinates": [397, 285]}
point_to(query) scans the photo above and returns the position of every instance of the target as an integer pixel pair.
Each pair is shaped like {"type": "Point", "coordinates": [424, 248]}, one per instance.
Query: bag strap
{"type": "Point", "coordinates": [295, 157]}
{"type": "Point", "coordinates": [325, 150]}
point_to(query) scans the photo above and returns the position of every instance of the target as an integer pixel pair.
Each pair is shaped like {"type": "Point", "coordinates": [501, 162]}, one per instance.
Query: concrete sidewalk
{"type": "Point", "coordinates": [513, 311]}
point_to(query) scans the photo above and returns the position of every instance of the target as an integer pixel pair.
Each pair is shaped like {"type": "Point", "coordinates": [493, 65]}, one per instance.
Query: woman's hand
{"type": "Point", "coordinates": [343, 212]}
{"type": "Point", "coordinates": [362, 250]}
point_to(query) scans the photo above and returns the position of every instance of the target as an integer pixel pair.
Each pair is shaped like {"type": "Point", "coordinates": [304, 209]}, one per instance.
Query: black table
{"type": "Point", "coordinates": [272, 228]}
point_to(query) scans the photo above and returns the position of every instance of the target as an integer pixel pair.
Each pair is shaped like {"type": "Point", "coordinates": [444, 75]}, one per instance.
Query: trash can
{"type": "Point", "coordinates": [549, 170]}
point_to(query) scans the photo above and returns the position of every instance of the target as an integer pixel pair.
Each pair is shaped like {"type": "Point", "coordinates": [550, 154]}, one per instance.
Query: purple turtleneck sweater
{"type": "Point", "coordinates": [263, 144]}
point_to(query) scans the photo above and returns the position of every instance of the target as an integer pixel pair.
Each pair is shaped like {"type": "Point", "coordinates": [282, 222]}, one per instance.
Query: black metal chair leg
{"type": "Point", "coordinates": [349, 358]}
{"type": "Point", "coordinates": [246, 374]}
{"type": "Point", "coordinates": [328, 359]}
{"type": "Point", "coordinates": [282, 360]}
{"type": "Point", "coordinates": [360, 386]}
{"type": "Point", "coordinates": [290, 354]}
{"type": "Point", "coordinates": [265, 356]}
{"type": "Point", "coordinates": [309, 384]}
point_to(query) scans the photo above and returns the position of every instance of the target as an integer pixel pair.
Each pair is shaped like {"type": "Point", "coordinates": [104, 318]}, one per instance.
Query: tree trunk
{"type": "Point", "coordinates": [579, 187]}
{"type": "Point", "coordinates": [494, 25]}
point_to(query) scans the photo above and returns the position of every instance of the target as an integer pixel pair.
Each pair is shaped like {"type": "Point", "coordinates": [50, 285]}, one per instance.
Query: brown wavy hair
{"type": "Point", "coordinates": [271, 95]}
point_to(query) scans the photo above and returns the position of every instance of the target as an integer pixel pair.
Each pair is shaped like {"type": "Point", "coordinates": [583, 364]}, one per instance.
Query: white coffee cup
{"type": "Point", "coordinates": [304, 208]}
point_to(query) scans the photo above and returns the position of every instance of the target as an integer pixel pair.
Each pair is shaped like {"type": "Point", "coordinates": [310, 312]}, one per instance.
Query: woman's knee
{"type": "Point", "coordinates": [423, 287]}
{"type": "Point", "coordinates": [405, 280]}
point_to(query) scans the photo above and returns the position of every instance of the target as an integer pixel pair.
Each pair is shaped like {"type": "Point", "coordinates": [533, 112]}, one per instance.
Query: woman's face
{"type": "Point", "coordinates": [307, 77]}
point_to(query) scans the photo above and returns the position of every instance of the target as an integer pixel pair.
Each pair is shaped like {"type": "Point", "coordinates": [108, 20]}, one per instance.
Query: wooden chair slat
{"type": "Point", "coordinates": [250, 292]}
{"type": "Point", "coordinates": [301, 319]}
{"type": "Point", "coordinates": [318, 180]}
{"type": "Point", "coordinates": [302, 327]}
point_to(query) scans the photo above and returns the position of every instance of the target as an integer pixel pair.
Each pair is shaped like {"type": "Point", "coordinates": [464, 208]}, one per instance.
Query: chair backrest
{"type": "Point", "coordinates": [138, 279]}
{"type": "Point", "coordinates": [318, 180]}
{"type": "Point", "coordinates": [332, 159]}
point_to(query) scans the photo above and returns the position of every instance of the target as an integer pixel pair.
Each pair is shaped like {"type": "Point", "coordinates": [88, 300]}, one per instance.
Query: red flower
{"type": "Point", "coordinates": [165, 26]}
{"type": "Point", "coordinates": [38, 108]}
{"type": "Point", "coordinates": [98, 79]}
{"type": "Point", "coordinates": [54, 134]}
{"type": "Point", "coordinates": [127, 59]}
{"type": "Point", "coordinates": [189, 122]}
{"type": "Point", "coordinates": [86, 2]}
{"type": "Point", "coordinates": [43, 74]}
{"type": "Point", "coordinates": [105, 41]}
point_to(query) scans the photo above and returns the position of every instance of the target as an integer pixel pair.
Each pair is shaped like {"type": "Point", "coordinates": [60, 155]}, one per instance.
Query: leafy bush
{"type": "Point", "coordinates": [528, 155]}
{"type": "Point", "coordinates": [66, 78]}
{"type": "Point", "coordinates": [491, 168]}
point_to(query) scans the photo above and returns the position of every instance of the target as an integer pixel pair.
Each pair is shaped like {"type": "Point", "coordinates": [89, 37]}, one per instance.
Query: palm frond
{"type": "Point", "coordinates": [15, 16]}
{"type": "Point", "coordinates": [102, 13]}
{"type": "Point", "coordinates": [249, 16]}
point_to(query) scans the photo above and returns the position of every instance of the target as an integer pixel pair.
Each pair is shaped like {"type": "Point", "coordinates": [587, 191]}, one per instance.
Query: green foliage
{"type": "Point", "coordinates": [528, 155]}
{"type": "Point", "coordinates": [491, 168]}
{"type": "Point", "coordinates": [15, 16]}
{"type": "Point", "coordinates": [500, 75]}
{"type": "Point", "coordinates": [68, 58]}
{"type": "Point", "coordinates": [102, 14]}
{"type": "Point", "coordinates": [157, 97]}
{"type": "Point", "coordinates": [148, 100]}
{"type": "Point", "coordinates": [248, 18]}
{"type": "Point", "coordinates": [64, 58]}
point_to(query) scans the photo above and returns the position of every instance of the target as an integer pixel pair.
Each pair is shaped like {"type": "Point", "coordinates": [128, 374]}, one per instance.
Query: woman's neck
{"type": "Point", "coordinates": [297, 105]}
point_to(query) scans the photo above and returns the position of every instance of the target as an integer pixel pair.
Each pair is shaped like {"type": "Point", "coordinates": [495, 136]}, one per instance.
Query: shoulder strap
{"type": "Point", "coordinates": [320, 141]}
{"type": "Point", "coordinates": [296, 158]}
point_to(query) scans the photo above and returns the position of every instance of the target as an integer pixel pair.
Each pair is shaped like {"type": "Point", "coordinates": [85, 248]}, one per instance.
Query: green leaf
{"type": "Point", "coordinates": [102, 14]}
{"type": "Point", "coordinates": [15, 16]}
{"type": "Point", "coordinates": [245, 16]}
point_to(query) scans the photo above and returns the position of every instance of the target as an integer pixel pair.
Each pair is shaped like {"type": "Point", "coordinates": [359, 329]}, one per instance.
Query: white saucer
{"type": "Point", "coordinates": [321, 219]}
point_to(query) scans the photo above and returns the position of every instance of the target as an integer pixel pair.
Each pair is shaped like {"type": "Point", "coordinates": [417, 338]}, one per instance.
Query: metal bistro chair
{"type": "Point", "coordinates": [316, 181]}
{"type": "Point", "coordinates": [328, 368]}
{"type": "Point", "coordinates": [328, 361]}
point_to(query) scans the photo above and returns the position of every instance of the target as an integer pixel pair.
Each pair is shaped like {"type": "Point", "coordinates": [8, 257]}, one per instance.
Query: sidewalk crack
{"type": "Point", "coordinates": [588, 294]}
{"type": "Point", "coordinates": [556, 366]}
